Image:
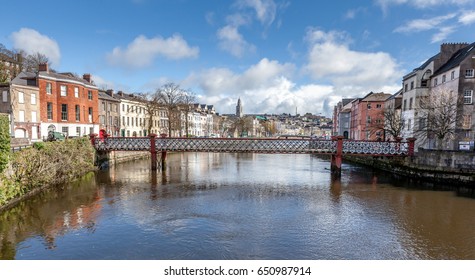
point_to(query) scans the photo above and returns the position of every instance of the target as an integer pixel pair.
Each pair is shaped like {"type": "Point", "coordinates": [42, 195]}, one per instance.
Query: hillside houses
{"type": "Point", "coordinates": [434, 105]}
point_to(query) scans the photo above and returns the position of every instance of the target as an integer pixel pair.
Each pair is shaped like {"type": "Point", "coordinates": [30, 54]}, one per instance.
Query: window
{"type": "Point", "coordinates": [21, 116]}
{"type": "Point", "coordinates": [48, 88]}
{"type": "Point", "coordinates": [5, 96]}
{"type": "Point", "coordinates": [466, 121]}
{"type": "Point", "coordinates": [468, 96]}
{"type": "Point", "coordinates": [468, 73]}
{"type": "Point", "coordinates": [452, 75]}
{"type": "Point", "coordinates": [378, 106]}
{"type": "Point", "coordinates": [33, 116]}
{"type": "Point", "coordinates": [409, 124]}
{"type": "Point", "coordinates": [410, 103]}
{"type": "Point", "coordinates": [33, 98]}
{"type": "Point", "coordinates": [412, 85]}
{"type": "Point", "coordinates": [422, 123]}
{"type": "Point", "coordinates": [443, 78]}
{"type": "Point", "coordinates": [368, 119]}
{"type": "Point", "coordinates": [49, 110]}
{"type": "Point", "coordinates": [64, 112]}
{"type": "Point", "coordinates": [64, 90]}
{"type": "Point", "coordinates": [65, 130]}
{"type": "Point", "coordinates": [102, 119]}
{"type": "Point", "coordinates": [103, 106]}
{"type": "Point", "coordinates": [90, 114]}
{"type": "Point", "coordinates": [76, 92]}
{"type": "Point", "coordinates": [368, 105]}
{"type": "Point", "coordinates": [78, 113]}
{"type": "Point", "coordinates": [89, 94]}
{"type": "Point", "coordinates": [435, 82]}
{"type": "Point", "coordinates": [405, 87]}
{"type": "Point", "coordinates": [405, 105]}
{"type": "Point", "coordinates": [21, 97]}
{"type": "Point", "coordinates": [78, 131]}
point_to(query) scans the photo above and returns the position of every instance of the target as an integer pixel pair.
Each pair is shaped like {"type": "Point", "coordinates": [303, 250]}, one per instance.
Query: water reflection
{"type": "Point", "coordinates": [240, 206]}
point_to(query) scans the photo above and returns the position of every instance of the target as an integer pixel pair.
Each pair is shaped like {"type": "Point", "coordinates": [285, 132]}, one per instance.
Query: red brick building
{"type": "Point", "coordinates": [68, 104]}
{"type": "Point", "coordinates": [367, 118]}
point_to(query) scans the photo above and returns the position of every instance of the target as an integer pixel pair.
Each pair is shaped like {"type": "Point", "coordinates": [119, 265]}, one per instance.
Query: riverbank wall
{"type": "Point", "coordinates": [441, 167]}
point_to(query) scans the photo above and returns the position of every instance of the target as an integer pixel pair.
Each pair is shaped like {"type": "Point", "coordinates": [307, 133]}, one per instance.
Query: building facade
{"type": "Point", "coordinates": [68, 104]}
{"type": "Point", "coordinates": [20, 100]}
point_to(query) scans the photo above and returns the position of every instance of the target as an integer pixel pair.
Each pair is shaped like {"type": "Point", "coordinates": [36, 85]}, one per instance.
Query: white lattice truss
{"type": "Point", "coordinates": [250, 145]}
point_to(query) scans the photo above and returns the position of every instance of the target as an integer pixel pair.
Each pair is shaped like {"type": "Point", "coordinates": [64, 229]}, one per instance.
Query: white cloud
{"type": "Point", "coordinates": [265, 87]}
{"type": "Point", "coordinates": [443, 33]}
{"type": "Point", "coordinates": [265, 9]}
{"type": "Point", "coordinates": [231, 41]}
{"type": "Point", "coordinates": [351, 72]}
{"type": "Point", "coordinates": [31, 41]}
{"type": "Point", "coordinates": [468, 17]}
{"type": "Point", "coordinates": [142, 51]}
{"type": "Point", "coordinates": [103, 83]}
{"type": "Point", "coordinates": [418, 25]}
{"type": "Point", "coordinates": [421, 4]}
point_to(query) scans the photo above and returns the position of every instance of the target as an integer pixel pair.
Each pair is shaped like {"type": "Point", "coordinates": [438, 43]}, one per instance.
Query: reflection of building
{"type": "Point", "coordinates": [20, 101]}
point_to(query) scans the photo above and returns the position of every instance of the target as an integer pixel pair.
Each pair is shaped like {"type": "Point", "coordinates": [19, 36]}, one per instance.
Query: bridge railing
{"type": "Point", "coordinates": [253, 145]}
{"type": "Point", "coordinates": [382, 148]}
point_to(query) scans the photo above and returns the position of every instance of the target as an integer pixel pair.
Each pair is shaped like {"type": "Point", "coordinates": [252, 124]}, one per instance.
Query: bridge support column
{"type": "Point", "coordinates": [337, 157]}
{"type": "Point", "coordinates": [153, 151]}
{"type": "Point", "coordinates": [411, 144]}
{"type": "Point", "coordinates": [163, 157]}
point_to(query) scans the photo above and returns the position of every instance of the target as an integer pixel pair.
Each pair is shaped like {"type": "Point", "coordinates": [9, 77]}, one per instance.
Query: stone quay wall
{"type": "Point", "coordinates": [445, 167]}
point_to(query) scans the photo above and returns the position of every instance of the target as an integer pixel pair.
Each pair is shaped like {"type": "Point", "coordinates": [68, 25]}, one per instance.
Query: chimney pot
{"type": "Point", "coordinates": [43, 67]}
{"type": "Point", "coordinates": [87, 77]}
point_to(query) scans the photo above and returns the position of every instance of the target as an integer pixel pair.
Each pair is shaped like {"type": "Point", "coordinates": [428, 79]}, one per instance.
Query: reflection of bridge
{"type": "Point", "coordinates": [335, 147]}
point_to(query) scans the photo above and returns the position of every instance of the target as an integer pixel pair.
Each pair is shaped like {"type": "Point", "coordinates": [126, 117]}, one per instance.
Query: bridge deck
{"type": "Point", "coordinates": [251, 145]}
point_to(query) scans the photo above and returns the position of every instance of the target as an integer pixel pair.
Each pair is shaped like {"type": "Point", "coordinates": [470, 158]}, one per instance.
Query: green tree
{"type": "Point", "coordinates": [4, 141]}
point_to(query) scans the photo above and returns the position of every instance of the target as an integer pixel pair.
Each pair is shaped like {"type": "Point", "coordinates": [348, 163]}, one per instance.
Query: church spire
{"type": "Point", "coordinates": [239, 109]}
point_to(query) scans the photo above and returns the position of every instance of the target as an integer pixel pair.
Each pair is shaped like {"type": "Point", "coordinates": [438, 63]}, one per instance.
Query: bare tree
{"type": "Point", "coordinates": [170, 96]}
{"type": "Point", "coordinates": [438, 116]}
{"type": "Point", "coordinates": [4, 76]}
{"type": "Point", "coordinates": [188, 99]}
{"type": "Point", "coordinates": [390, 123]}
{"type": "Point", "coordinates": [242, 126]}
{"type": "Point", "coordinates": [32, 61]}
{"type": "Point", "coordinates": [152, 106]}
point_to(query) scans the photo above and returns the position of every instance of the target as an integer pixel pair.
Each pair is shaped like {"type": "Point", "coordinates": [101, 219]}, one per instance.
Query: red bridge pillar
{"type": "Point", "coordinates": [410, 149]}
{"type": "Point", "coordinates": [153, 151]}
{"type": "Point", "coordinates": [164, 155]}
{"type": "Point", "coordinates": [337, 157]}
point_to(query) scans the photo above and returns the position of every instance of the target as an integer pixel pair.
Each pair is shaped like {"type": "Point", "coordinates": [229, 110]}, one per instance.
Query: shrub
{"type": "Point", "coordinates": [4, 141]}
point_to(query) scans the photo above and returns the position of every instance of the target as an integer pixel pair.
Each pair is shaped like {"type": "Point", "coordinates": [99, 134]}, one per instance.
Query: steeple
{"type": "Point", "coordinates": [239, 109]}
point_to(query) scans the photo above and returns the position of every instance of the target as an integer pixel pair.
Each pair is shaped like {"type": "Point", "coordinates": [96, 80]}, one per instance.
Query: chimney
{"type": "Point", "coordinates": [87, 77]}
{"type": "Point", "coordinates": [43, 67]}
{"type": "Point", "coordinates": [110, 92]}
{"type": "Point", "coordinates": [447, 50]}
{"type": "Point", "coordinates": [120, 93]}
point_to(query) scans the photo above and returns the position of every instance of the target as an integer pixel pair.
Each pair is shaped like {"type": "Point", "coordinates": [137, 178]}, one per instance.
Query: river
{"type": "Point", "coordinates": [240, 207]}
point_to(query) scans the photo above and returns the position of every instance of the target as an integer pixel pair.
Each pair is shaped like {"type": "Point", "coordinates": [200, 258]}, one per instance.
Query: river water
{"type": "Point", "coordinates": [240, 206]}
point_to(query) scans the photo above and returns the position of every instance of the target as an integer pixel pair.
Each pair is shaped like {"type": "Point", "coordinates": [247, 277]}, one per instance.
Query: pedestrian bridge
{"type": "Point", "coordinates": [336, 147]}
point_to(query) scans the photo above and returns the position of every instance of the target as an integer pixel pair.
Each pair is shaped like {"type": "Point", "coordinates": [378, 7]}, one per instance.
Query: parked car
{"type": "Point", "coordinates": [56, 136]}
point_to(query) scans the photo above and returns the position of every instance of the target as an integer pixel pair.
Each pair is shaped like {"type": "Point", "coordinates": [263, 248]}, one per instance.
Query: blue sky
{"type": "Point", "coordinates": [278, 56]}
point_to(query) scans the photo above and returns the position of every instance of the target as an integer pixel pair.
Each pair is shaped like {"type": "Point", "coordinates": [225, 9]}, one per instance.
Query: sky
{"type": "Point", "coordinates": [278, 56]}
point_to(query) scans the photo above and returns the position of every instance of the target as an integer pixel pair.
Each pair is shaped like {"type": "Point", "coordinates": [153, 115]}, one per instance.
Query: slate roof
{"type": "Point", "coordinates": [456, 59]}
{"type": "Point", "coordinates": [65, 77]}
{"type": "Point", "coordinates": [380, 96]}
{"type": "Point", "coordinates": [104, 95]}
{"type": "Point", "coordinates": [22, 79]}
